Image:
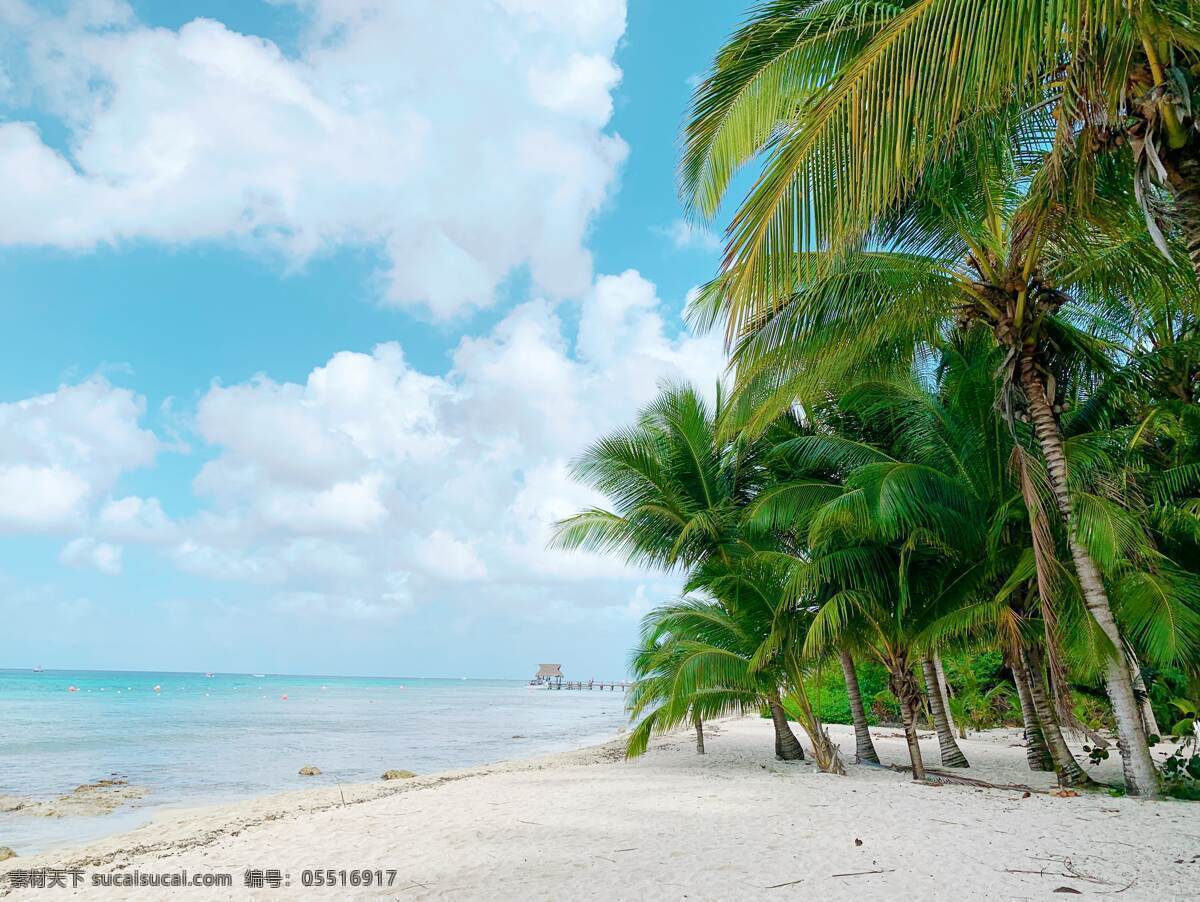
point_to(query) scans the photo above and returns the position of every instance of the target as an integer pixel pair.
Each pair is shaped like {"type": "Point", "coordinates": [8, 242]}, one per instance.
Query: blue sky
{"type": "Point", "coordinates": [307, 310]}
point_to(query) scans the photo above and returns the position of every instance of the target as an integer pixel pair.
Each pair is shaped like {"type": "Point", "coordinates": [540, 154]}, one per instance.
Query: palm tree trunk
{"type": "Point", "coordinates": [864, 748]}
{"type": "Point", "coordinates": [904, 687]}
{"type": "Point", "coordinates": [1141, 778]}
{"type": "Point", "coordinates": [787, 746]}
{"type": "Point", "coordinates": [1149, 721]}
{"type": "Point", "coordinates": [952, 755]}
{"type": "Point", "coordinates": [1066, 768]}
{"type": "Point", "coordinates": [699, 735]}
{"type": "Point", "coordinates": [910, 736]}
{"type": "Point", "coordinates": [945, 687]}
{"type": "Point", "coordinates": [1037, 753]}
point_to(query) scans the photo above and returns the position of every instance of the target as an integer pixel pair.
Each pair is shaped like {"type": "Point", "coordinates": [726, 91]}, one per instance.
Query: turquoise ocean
{"type": "Point", "coordinates": [198, 739]}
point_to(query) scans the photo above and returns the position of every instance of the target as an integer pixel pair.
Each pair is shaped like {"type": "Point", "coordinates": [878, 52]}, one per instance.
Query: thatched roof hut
{"type": "Point", "coordinates": [549, 672]}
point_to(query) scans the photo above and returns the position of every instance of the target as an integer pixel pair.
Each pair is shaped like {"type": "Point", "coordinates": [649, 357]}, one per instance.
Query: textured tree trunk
{"type": "Point", "coordinates": [864, 748]}
{"type": "Point", "coordinates": [945, 687]}
{"type": "Point", "coordinates": [1149, 721]}
{"type": "Point", "coordinates": [910, 736]}
{"type": "Point", "coordinates": [787, 746]}
{"type": "Point", "coordinates": [699, 735]}
{"type": "Point", "coordinates": [1037, 753]}
{"type": "Point", "coordinates": [908, 694]}
{"type": "Point", "coordinates": [1141, 779]}
{"type": "Point", "coordinates": [952, 755]}
{"type": "Point", "coordinates": [1066, 768]}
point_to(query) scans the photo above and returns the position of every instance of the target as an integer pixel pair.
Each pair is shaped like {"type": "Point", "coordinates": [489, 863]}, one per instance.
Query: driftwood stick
{"type": "Point", "coordinates": [860, 873]}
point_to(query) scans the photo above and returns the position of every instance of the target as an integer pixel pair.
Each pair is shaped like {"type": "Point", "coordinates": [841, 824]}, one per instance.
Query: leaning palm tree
{"type": "Point", "coordinates": [694, 663]}
{"type": "Point", "coordinates": [973, 245]}
{"type": "Point", "coordinates": [679, 492]}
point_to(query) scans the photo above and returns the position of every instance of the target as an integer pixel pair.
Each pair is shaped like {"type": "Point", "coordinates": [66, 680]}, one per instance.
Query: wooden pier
{"type": "Point", "coordinates": [588, 684]}
{"type": "Point", "coordinates": [550, 676]}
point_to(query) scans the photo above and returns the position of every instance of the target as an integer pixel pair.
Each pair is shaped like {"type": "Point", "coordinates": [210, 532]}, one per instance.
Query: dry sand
{"type": "Point", "coordinates": [734, 824]}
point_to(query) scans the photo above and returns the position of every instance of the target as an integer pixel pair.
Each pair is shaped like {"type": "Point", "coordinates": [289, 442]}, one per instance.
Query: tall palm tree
{"type": "Point", "coordinates": [938, 488]}
{"type": "Point", "coordinates": [972, 245]}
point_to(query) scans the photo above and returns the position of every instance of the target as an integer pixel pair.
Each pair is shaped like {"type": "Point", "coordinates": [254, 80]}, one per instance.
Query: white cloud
{"type": "Point", "coordinates": [686, 235]}
{"type": "Point", "coordinates": [582, 86]}
{"type": "Point", "coordinates": [375, 487]}
{"type": "Point", "coordinates": [382, 131]}
{"type": "Point", "coordinates": [62, 451]}
{"type": "Point", "coordinates": [135, 519]}
{"type": "Point", "coordinates": [39, 498]}
{"type": "Point", "coordinates": [87, 552]}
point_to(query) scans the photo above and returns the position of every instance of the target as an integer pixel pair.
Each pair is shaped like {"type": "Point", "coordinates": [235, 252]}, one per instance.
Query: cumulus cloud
{"type": "Point", "coordinates": [380, 131]}
{"type": "Point", "coordinates": [62, 452]}
{"type": "Point", "coordinates": [374, 486]}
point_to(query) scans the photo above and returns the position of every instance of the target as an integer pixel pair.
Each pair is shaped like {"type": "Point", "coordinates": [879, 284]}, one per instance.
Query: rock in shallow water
{"type": "Point", "coordinates": [310, 771]}
{"type": "Point", "coordinates": [6, 853]}
{"type": "Point", "coordinates": [89, 799]}
{"type": "Point", "coordinates": [398, 775]}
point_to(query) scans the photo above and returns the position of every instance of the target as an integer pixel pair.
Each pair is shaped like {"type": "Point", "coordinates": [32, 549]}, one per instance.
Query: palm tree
{"type": "Point", "coordinates": [862, 598]}
{"type": "Point", "coordinates": [677, 489]}
{"type": "Point", "coordinates": [694, 663]}
{"type": "Point", "coordinates": [937, 477]}
{"type": "Point", "coordinates": [972, 245]}
{"type": "Point", "coordinates": [680, 492]}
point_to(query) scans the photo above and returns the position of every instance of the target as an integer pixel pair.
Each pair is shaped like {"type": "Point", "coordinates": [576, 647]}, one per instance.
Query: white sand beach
{"type": "Point", "coordinates": [734, 824]}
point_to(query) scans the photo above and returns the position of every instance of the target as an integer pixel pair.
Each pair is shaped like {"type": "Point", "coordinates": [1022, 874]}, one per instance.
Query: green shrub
{"type": "Point", "coordinates": [829, 697]}
{"type": "Point", "coordinates": [827, 692]}
{"type": "Point", "coordinates": [1181, 772]}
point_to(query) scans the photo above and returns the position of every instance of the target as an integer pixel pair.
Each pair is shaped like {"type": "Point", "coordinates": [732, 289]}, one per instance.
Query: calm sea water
{"type": "Point", "coordinates": [201, 739]}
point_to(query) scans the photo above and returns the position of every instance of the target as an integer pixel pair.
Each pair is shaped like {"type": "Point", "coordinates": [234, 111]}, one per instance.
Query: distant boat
{"type": "Point", "coordinates": [209, 675]}
{"type": "Point", "coordinates": [38, 669]}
